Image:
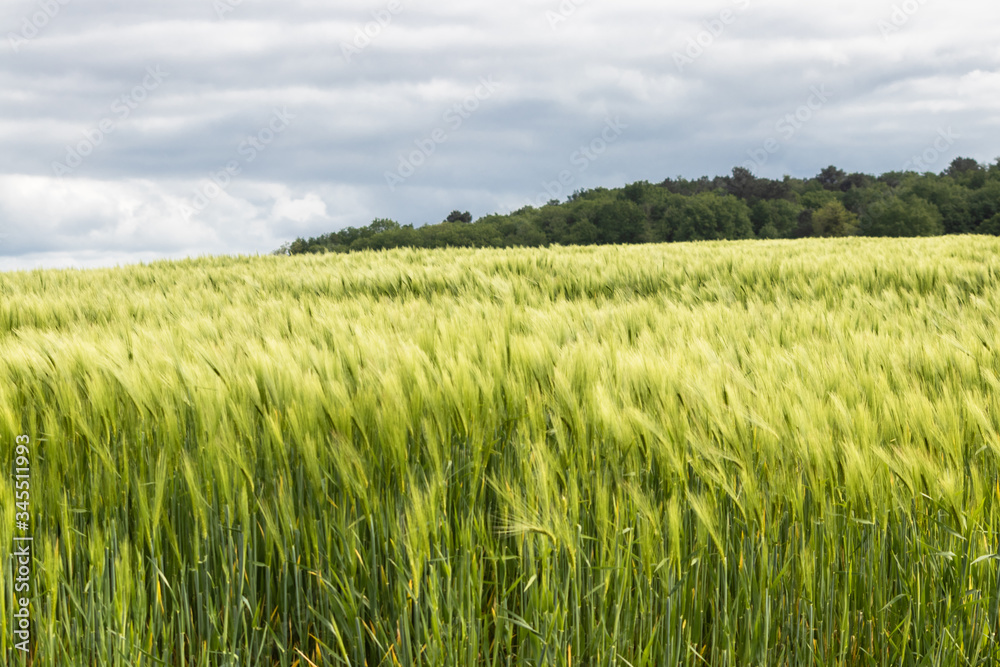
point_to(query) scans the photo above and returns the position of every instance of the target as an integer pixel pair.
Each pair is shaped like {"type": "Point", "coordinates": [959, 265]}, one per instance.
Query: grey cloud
{"type": "Point", "coordinates": [355, 117]}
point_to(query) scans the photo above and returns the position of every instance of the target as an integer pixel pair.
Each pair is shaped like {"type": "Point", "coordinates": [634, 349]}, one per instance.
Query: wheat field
{"type": "Point", "coordinates": [751, 453]}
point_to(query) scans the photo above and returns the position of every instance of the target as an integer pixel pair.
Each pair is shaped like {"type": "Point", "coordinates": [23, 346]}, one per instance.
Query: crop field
{"type": "Point", "coordinates": [731, 454]}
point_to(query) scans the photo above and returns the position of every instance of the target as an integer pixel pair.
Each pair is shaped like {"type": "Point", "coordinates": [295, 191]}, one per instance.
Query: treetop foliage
{"type": "Point", "coordinates": [962, 199]}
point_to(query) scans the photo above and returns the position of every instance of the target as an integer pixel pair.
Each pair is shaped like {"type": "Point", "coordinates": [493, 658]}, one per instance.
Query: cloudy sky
{"type": "Point", "coordinates": [133, 131]}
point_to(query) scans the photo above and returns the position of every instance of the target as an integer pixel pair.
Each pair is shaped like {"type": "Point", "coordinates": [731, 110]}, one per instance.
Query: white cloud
{"type": "Point", "coordinates": [299, 210]}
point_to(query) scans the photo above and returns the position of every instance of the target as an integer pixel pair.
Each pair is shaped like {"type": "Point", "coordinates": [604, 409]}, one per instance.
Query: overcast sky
{"type": "Point", "coordinates": [132, 131]}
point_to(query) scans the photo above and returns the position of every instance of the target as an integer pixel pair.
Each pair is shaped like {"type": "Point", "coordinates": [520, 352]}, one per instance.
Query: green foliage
{"type": "Point", "coordinates": [991, 226]}
{"type": "Point", "coordinates": [641, 193]}
{"type": "Point", "coordinates": [818, 198]}
{"type": "Point", "coordinates": [899, 216]}
{"type": "Point", "coordinates": [832, 178]}
{"type": "Point", "coordinates": [738, 206]}
{"type": "Point", "coordinates": [951, 200]}
{"type": "Point", "coordinates": [967, 172]}
{"type": "Point", "coordinates": [775, 219]}
{"type": "Point", "coordinates": [582, 232]}
{"type": "Point", "coordinates": [520, 232]}
{"type": "Point", "coordinates": [962, 165]}
{"type": "Point", "coordinates": [832, 219]}
{"type": "Point", "coordinates": [553, 221]}
{"type": "Point", "coordinates": [710, 216]}
{"type": "Point", "coordinates": [458, 216]}
{"type": "Point", "coordinates": [382, 225]}
{"type": "Point", "coordinates": [620, 222]}
{"type": "Point", "coordinates": [984, 203]}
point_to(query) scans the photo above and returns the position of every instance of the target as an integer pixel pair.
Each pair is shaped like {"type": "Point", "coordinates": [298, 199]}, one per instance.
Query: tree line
{"type": "Point", "coordinates": [963, 199]}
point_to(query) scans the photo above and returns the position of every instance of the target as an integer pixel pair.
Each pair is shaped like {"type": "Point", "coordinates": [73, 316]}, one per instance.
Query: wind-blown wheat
{"type": "Point", "coordinates": [768, 453]}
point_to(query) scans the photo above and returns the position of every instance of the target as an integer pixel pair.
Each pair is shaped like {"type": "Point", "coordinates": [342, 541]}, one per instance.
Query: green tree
{"type": "Point", "coordinates": [950, 198]}
{"type": "Point", "coordinates": [899, 216]}
{"type": "Point", "coordinates": [554, 221]}
{"type": "Point", "coordinates": [693, 220]}
{"type": "Point", "coordinates": [984, 203]}
{"type": "Point", "coordinates": [458, 216]}
{"type": "Point", "coordinates": [711, 216]}
{"type": "Point", "coordinates": [961, 165]}
{"type": "Point", "coordinates": [831, 178]}
{"type": "Point", "coordinates": [733, 218]}
{"type": "Point", "coordinates": [582, 232]}
{"type": "Point", "coordinates": [991, 226]}
{"type": "Point", "coordinates": [640, 192]}
{"type": "Point", "coordinates": [743, 184]}
{"type": "Point", "coordinates": [857, 200]}
{"type": "Point", "coordinates": [856, 181]}
{"type": "Point", "coordinates": [817, 199]}
{"type": "Point", "coordinates": [891, 178]}
{"type": "Point", "coordinates": [832, 219]}
{"type": "Point", "coordinates": [520, 232]}
{"type": "Point", "coordinates": [621, 221]}
{"type": "Point", "coordinates": [382, 225]}
{"type": "Point", "coordinates": [967, 172]}
{"type": "Point", "coordinates": [775, 218]}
